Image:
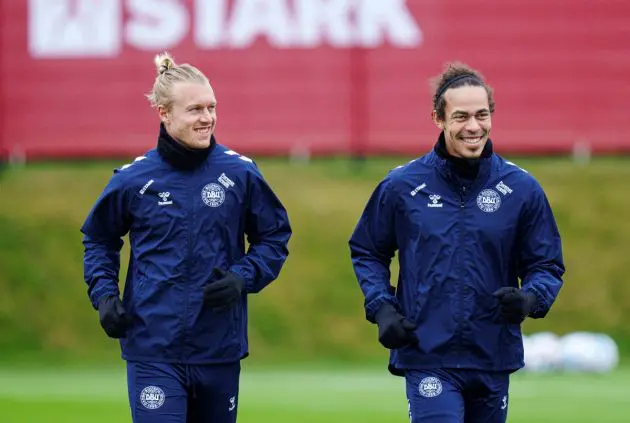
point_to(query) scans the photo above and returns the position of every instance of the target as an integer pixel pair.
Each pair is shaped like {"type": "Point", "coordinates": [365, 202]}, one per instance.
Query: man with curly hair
{"type": "Point", "coordinates": [479, 251]}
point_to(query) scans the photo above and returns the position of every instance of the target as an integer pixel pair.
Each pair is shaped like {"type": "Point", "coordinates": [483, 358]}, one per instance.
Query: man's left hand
{"type": "Point", "coordinates": [225, 291]}
{"type": "Point", "coordinates": [515, 304]}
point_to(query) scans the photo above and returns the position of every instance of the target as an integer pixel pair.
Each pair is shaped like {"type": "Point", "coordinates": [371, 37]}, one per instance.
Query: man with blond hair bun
{"type": "Point", "coordinates": [188, 206]}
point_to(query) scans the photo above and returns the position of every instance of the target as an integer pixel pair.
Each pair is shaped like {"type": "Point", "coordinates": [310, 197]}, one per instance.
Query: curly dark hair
{"type": "Point", "coordinates": [456, 75]}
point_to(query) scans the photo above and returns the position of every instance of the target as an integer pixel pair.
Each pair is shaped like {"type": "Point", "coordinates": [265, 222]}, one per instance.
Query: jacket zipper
{"type": "Point", "coordinates": [189, 259]}
{"type": "Point", "coordinates": [460, 285]}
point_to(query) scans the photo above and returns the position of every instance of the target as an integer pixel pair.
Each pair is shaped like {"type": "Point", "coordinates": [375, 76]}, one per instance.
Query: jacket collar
{"type": "Point", "coordinates": [180, 156]}
{"type": "Point", "coordinates": [463, 171]}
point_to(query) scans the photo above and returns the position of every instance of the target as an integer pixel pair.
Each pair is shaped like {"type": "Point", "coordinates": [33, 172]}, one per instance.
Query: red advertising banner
{"type": "Point", "coordinates": [318, 76]}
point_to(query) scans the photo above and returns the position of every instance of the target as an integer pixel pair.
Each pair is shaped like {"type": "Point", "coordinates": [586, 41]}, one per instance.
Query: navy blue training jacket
{"type": "Point", "coordinates": [181, 225]}
{"type": "Point", "coordinates": [457, 243]}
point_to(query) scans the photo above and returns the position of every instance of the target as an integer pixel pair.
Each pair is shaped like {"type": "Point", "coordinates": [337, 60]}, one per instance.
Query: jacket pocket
{"type": "Point", "coordinates": [486, 308]}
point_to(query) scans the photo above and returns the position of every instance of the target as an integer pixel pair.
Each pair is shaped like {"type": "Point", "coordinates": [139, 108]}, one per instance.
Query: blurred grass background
{"type": "Point", "coordinates": [314, 311]}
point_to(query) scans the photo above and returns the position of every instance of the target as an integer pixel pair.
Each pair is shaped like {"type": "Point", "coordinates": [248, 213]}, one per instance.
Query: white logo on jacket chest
{"type": "Point", "coordinates": [213, 195]}
{"type": "Point", "coordinates": [165, 199]}
{"type": "Point", "coordinates": [146, 186]}
{"type": "Point", "coordinates": [417, 189]}
{"type": "Point", "coordinates": [489, 200]}
{"type": "Point", "coordinates": [225, 181]}
{"type": "Point", "coordinates": [503, 188]}
{"type": "Point", "coordinates": [435, 201]}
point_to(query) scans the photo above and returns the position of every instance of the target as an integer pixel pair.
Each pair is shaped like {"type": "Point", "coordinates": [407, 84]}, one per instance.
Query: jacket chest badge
{"type": "Point", "coordinates": [489, 200]}
{"type": "Point", "coordinates": [225, 181]}
{"type": "Point", "coordinates": [213, 195]}
{"type": "Point", "coordinates": [436, 201]}
{"type": "Point", "coordinates": [165, 199]}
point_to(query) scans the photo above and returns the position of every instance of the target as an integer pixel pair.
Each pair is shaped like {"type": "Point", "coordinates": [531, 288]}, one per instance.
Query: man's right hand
{"type": "Point", "coordinates": [113, 317]}
{"type": "Point", "coordinates": [394, 330]}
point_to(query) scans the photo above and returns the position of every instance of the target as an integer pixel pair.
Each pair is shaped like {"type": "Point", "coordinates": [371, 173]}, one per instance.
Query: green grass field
{"type": "Point", "coordinates": [309, 396]}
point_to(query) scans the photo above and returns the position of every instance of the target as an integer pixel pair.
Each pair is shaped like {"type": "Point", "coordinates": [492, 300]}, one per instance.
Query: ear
{"type": "Point", "coordinates": [439, 123]}
{"type": "Point", "coordinates": [163, 113]}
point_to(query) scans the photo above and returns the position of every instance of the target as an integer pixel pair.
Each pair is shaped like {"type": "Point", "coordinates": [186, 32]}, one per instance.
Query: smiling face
{"type": "Point", "coordinates": [191, 116]}
{"type": "Point", "coordinates": [467, 121]}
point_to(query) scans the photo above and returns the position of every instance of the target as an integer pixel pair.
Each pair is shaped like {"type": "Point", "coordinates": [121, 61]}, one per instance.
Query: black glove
{"type": "Point", "coordinates": [394, 330]}
{"type": "Point", "coordinates": [514, 304]}
{"type": "Point", "coordinates": [225, 291]}
{"type": "Point", "coordinates": [113, 317]}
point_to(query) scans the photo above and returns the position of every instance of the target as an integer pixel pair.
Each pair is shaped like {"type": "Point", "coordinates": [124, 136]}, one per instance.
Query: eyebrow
{"type": "Point", "coordinates": [194, 106]}
{"type": "Point", "coordinates": [463, 113]}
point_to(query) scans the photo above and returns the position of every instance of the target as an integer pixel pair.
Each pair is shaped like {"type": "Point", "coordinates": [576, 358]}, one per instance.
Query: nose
{"type": "Point", "coordinates": [472, 125]}
{"type": "Point", "coordinates": [206, 116]}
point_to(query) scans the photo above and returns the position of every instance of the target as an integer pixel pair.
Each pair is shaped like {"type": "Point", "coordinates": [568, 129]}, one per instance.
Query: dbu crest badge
{"type": "Point", "coordinates": [430, 387]}
{"type": "Point", "coordinates": [152, 397]}
{"type": "Point", "coordinates": [213, 195]}
{"type": "Point", "coordinates": [489, 200]}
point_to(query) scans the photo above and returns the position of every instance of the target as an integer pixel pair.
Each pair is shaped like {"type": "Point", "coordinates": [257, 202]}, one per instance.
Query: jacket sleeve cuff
{"type": "Point", "coordinates": [372, 308]}
{"type": "Point", "coordinates": [98, 296]}
{"type": "Point", "coordinates": [539, 309]}
{"type": "Point", "coordinates": [248, 283]}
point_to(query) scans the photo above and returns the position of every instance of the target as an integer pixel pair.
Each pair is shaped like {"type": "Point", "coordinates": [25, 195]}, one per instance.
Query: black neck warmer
{"type": "Point", "coordinates": [178, 155]}
{"type": "Point", "coordinates": [465, 168]}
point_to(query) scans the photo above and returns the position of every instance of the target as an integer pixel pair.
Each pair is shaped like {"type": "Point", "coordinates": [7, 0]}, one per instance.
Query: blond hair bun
{"type": "Point", "coordinates": [164, 62]}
